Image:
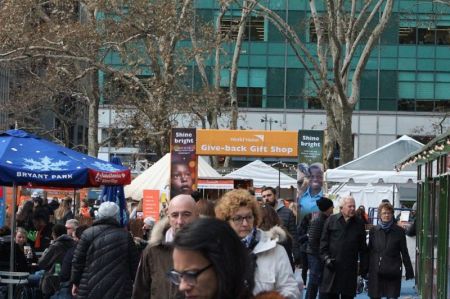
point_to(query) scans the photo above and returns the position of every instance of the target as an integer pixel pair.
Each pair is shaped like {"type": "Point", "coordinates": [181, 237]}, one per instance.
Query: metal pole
{"type": "Point", "coordinates": [279, 178]}
{"type": "Point", "coordinates": [13, 234]}
{"type": "Point", "coordinates": [393, 195]}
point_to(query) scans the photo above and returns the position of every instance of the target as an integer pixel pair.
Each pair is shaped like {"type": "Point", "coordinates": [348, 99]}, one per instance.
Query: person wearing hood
{"type": "Point", "coordinates": [105, 259]}
{"type": "Point", "coordinates": [387, 252]}
{"type": "Point", "coordinates": [273, 270]}
{"type": "Point", "coordinates": [151, 281]}
{"type": "Point", "coordinates": [313, 246]}
{"type": "Point", "coordinates": [52, 258]}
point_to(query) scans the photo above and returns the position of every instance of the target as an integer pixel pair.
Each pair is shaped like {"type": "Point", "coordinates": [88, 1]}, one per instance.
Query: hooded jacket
{"type": "Point", "coordinates": [273, 270]}
{"type": "Point", "coordinates": [55, 253]}
{"type": "Point", "coordinates": [105, 261]}
{"type": "Point", "coordinates": [156, 260]}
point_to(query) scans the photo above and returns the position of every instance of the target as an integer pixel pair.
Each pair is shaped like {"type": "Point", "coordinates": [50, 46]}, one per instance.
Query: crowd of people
{"type": "Point", "coordinates": [235, 248]}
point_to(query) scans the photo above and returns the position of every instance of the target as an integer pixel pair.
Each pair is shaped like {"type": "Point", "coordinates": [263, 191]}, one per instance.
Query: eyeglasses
{"type": "Point", "coordinates": [239, 219]}
{"type": "Point", "coordinates": [189, 277]}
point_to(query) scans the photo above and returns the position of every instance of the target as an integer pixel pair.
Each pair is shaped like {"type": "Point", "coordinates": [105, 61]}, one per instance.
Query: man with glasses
{"type": "Point", "coordinates": [151, 280]}
{"type": "Point", "coordinates": [269, 196]}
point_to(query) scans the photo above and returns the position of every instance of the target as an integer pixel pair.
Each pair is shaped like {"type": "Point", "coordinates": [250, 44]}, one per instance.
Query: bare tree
{"type": "Point", "coordinates": [135, 45]}
{"type": "Point", "coordinates": [342, 30]}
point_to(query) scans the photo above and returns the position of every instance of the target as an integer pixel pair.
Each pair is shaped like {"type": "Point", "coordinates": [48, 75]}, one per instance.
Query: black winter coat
{"type": "Point", "coordinates": [55, 253]}
{"type": "Point", "coordinates": [345, 242]}
{"type": "Point", "coordinates": [315, 233]}
{"type": "Point", "coordinates": [290, 224]}
{"type": "Point", "coordinates": [390, 246]}
{"type": "Point", "coordinates": [105, 261]}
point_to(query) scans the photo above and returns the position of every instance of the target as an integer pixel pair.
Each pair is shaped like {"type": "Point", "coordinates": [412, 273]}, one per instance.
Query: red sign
{"type": "Point", "coordinates": [150, 204]}
{"type": "Point", "coordinates": [97, 178]}
{"type": "Point", "coordinates": [215, 184]}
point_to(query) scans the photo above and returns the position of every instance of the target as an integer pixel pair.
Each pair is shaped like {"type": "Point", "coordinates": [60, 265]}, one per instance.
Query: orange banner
{"type": "Point", "coordinates": [248, 143]}
{"type": "Point", "coordinates": [150, 204]}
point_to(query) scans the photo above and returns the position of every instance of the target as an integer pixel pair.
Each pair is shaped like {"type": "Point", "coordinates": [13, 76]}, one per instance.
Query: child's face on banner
{"type": "Point", "coordinates": [181, 180]}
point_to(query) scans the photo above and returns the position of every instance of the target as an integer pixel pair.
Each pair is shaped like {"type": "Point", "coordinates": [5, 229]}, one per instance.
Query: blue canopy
{"type": "Point", "coordinates": [117, 195]}
{"type": "Point", "coordinates": [28, 159]}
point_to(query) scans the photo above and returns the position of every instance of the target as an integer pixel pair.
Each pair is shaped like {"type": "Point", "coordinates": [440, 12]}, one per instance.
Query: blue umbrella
{"type": "Point", "coordinates": [26, 159]}
{"type": "Point", "coordinates": [116, 194]}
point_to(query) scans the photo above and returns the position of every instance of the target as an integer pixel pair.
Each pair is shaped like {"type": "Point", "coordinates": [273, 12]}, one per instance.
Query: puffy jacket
{"type": "Point", "coordinates": [315, 233]}
{"type": "Point", "coordinates": [151, 281]}
{"type": "Point", "coordinates": [105, 261]}
{"type": "Point", "coordinates": [55, 253]}
{"type": "Point", "coordinates": [273, 271]}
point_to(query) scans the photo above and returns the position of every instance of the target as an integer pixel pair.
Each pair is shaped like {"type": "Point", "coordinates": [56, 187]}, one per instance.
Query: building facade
{"type": "Point", "coordinates": [404, 88]}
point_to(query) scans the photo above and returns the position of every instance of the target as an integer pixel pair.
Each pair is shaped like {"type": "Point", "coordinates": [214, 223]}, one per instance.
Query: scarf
{"type": "Point", "coordinates": [386, 226]}
{"type": "Point", "coordinates": [250, 241]}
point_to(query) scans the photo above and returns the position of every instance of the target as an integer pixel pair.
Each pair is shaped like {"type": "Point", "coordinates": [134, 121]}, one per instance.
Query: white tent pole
{"type": "Point", "coordinates": [393, 195]}
{"type": "Point", "coordinates": [13, 239]}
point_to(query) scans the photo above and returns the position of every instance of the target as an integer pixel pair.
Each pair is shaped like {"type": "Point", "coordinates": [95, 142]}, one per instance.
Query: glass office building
{"type": "Point", "coordinates": [405, 88]}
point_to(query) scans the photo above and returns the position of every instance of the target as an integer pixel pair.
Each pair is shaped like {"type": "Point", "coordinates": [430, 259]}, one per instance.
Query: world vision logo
{"type": "Point", "coordinates": [255, 139]}
{"type": "Point", "coordinates": [260, 137]}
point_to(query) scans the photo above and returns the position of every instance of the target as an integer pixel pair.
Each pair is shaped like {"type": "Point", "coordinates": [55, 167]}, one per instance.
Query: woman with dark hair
{"type": "Point", "coordinates": [210, 262]}
{"type": "Point", "coordinates": [387, 252]}
{"type": "Point", "coordinates": [271, 222]}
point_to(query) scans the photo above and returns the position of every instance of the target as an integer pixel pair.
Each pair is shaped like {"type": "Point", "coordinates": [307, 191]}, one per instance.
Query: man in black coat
{"type": "Point", "coordinates": [313, 247]}
{"type": "Point", "coordinates": [105, 259]}
{"type": "Point", "coordinates": [269, 196]}
{"type": "Point", "coordinates": [343, 241]}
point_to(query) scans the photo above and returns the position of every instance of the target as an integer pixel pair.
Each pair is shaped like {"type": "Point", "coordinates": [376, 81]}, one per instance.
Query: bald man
{"type": "Point", "coordinates": [151, 281]}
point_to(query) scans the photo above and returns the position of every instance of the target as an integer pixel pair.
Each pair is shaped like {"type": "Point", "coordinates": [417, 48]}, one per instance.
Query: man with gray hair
{"type": "Point", "coordinates": [71, 226]}
{"type": "Point", "coordinates": [105, 259]}
{"type": "Point", "coordinates": [343, 242]}
{"type": "Point", "coordinates": [151, 281]}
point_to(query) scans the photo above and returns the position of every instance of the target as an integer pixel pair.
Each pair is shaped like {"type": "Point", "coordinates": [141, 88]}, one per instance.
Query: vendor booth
{"type": "Point", "coordinates": [158, 175]}
{"type": "Point", "coordinates": [433, 216]}
{"type": "Point", "coordinates": [372, 177]}
{"type": "Point", "coordinates": [265, 175]}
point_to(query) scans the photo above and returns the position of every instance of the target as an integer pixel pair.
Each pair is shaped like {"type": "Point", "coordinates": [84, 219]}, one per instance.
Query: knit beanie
{"type": "Point", "coordinates": [108, 209]}
{"type": "Point", "coordinates": [324, 203]}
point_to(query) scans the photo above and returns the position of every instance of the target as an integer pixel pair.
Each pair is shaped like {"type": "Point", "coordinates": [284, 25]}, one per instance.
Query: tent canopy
{"type": "Point", "coordinates": [28, 159]}
{"type": "Point", "coordinates": [157, 177]}
{"type": "Point", "coordinates": [263, 175]}
{"type": "Point", "coordinates": [378, 165]}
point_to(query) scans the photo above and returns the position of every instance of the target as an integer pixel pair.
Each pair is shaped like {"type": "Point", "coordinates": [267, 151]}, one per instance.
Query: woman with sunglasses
{"type": "Point", "coordinates": [210, 262]}
{"type": "Point", "coordinates": [273, 270]}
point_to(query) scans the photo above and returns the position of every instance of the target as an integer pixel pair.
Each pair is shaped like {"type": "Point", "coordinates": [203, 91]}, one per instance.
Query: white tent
{"type": "Point", "coordinates": [372, 177]}
{"type": "Point", "coordinates": [378, 165]}
{"type": "Point", "coordinates": [157, 177]}
{"type": "Point", "coordinates": [263, 175]}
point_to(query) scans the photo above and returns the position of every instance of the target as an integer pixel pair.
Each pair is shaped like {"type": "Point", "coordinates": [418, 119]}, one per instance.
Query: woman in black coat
{"type": "Point", "coordinates": [387, 251]}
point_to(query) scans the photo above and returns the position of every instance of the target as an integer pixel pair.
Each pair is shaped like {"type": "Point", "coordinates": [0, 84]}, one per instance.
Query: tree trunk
{"type": "Point", "coordinates": [93, 126]}
{"type": "Point", "coordinates": [245, 11]}
{"type": "Point", "coordinates": [345, 139]}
